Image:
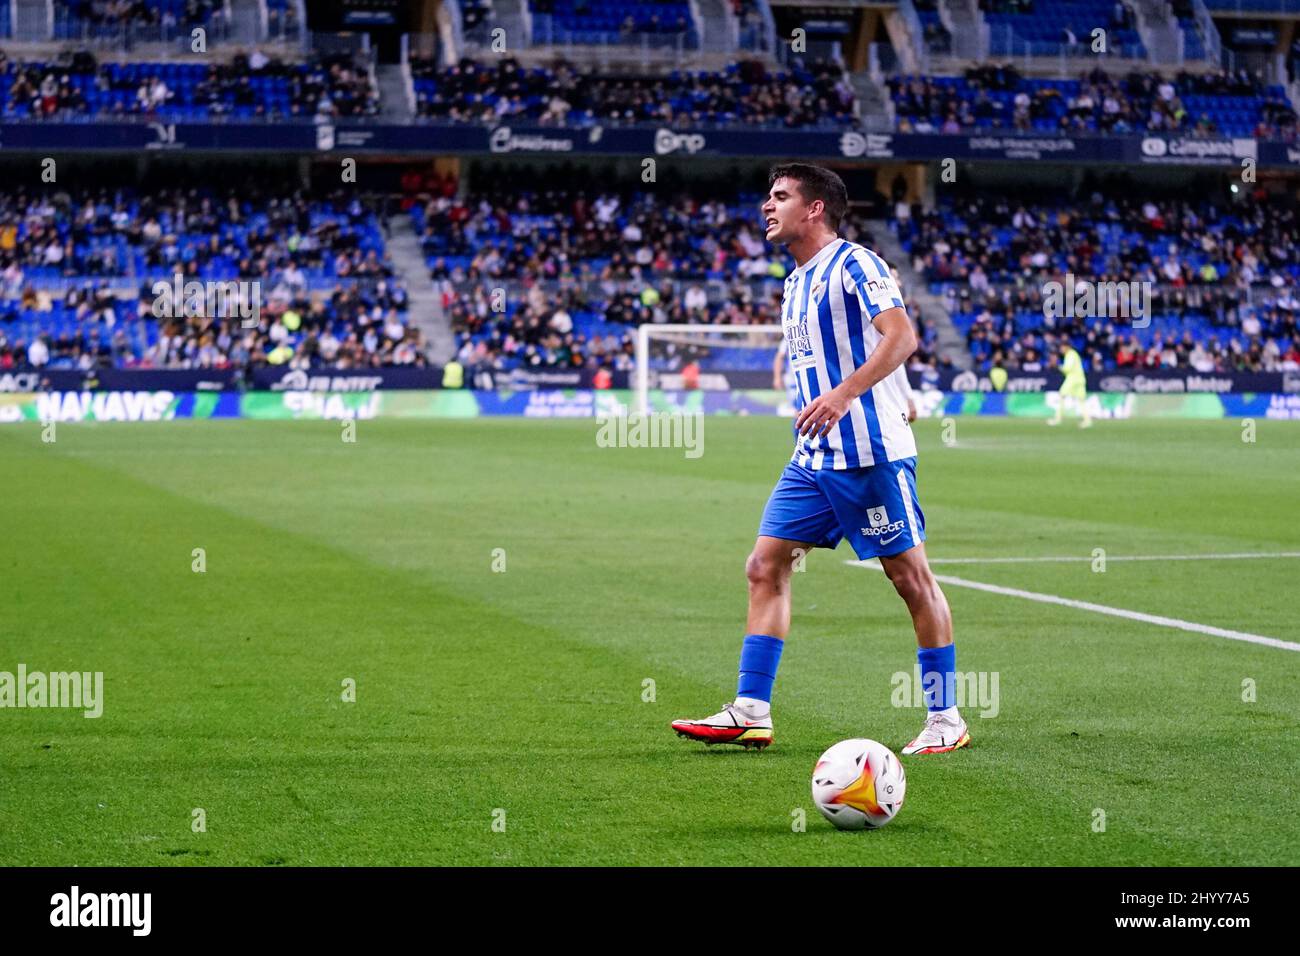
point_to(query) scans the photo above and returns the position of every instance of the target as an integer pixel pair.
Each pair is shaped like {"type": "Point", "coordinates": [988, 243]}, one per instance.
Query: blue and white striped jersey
{"type": "Point", "coordinates": [826, 314]}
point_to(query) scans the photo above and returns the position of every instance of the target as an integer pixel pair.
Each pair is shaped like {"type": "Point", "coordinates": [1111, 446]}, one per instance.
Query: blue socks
{"type": "Point", "coordinates": [938, 676]}
{"type": "Point", "coordinates": [759, 657]}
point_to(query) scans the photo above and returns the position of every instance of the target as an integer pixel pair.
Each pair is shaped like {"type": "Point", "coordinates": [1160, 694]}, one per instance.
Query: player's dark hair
{"type": "Point", "coordinates": [816, 182]}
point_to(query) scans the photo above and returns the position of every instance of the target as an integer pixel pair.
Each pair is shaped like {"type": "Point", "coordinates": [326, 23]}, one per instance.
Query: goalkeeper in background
{"type": "Point", "coordinates": [1074, 388]}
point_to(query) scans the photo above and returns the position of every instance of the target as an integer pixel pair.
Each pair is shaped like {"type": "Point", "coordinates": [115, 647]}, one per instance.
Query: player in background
{"type": "Point", "coordinates": [900, 375]}
{"type": "Point", "coordinates": [906, 387]}
{"type": "Point", "coordinates": [783, 381]}
{"type": "Point", "coordinates": [853, 471]}
{"type": "Point", "coordinates": [1074, 388]}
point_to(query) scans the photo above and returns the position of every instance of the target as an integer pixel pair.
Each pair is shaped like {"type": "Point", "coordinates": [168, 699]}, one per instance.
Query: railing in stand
{"type": "Point", "coordinates": [917, 35]}
{"type": "Point", "coordinates": [769, 26]}
{"type": "Point", "coordinates": [330, 43]}
{"type": "Point", "coordinates": [127, 35]}
{"type": "Point", "coordinates": [546, 33]}
{"type": "Point", "coordinates": [1209, 32]}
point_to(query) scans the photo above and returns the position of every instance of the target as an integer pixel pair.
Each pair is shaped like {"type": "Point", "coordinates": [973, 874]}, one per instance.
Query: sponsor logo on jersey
{"type": "Point", "coordinates": [879, 524]}
{"type": "Point", "coordinates": [799, 343]}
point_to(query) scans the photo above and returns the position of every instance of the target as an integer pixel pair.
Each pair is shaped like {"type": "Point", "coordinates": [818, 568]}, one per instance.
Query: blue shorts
{"type": "Point", "coordinates": [875, 508]}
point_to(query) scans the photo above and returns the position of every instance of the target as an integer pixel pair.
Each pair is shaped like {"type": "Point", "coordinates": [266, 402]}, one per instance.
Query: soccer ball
{"type": "Point", "coordinates": [858, 784]}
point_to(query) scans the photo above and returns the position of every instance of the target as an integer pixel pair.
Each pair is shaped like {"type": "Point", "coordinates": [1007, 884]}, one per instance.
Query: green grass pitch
{"type": "Point", "coordinates": [522, 691]}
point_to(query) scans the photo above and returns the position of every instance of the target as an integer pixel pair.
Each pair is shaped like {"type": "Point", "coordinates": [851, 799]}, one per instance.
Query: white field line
{"type": "Point", "coordinates": [1239, 556]}
{"type": "Point", "coordinates": [1104, 609]}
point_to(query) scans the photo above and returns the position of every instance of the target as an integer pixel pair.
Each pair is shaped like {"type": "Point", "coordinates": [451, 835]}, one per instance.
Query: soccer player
{"type": "Point", "coordinates": [1074, 388]}
{"type": "Point", "coordinates": [853, 471]}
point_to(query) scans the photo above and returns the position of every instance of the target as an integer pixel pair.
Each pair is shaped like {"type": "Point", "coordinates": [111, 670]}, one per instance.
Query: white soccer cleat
{"type": "Point", "coordinates": [938, 736]}
{"type": "Point", "coordinates": [731, 725]}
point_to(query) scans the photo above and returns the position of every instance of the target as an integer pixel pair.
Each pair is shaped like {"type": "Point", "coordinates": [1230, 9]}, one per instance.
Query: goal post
{"type": "Point", "coordinates": [667, 349]}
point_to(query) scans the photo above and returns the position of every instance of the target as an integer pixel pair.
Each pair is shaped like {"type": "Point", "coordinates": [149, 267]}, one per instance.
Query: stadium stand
{"type": "Point", "coordinates": [1223, 279]}
{"type": "Point", "coordinates": [592, 267]}
{"type": "Point", "coordinates": [745, 93]}
{"type": "Point", "coordinates": [1046, 27]}
{"type": "Point", "coordinates": [327, 292]}
{"type": "Point", "coordinates": [936, 35]}
{"type": "Point", "coordinates": [612, 22]}
{"type": "Point", "coordinates": [88, 19]}
{"type": "Point", "coordinates": [245, 87]}
{"type": "Point", "coordinates": [583, 269]}
{"type": "Point", "coordinates": [988, 97]}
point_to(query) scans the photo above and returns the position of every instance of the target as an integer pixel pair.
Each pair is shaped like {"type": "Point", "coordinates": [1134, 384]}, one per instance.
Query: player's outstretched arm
{"type": "Point", "coordinates": [897, 343]}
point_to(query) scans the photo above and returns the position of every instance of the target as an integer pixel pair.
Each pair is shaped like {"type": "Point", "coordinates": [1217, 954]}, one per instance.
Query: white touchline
{"type": "Point", "coordinates": [1104, 609]}
{"type": "Point", "coordinates": [1045, 559]}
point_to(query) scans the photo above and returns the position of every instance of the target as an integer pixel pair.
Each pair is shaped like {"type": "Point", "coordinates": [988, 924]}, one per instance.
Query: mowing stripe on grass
{"type": "Point", "coordinates": [1173, 622]}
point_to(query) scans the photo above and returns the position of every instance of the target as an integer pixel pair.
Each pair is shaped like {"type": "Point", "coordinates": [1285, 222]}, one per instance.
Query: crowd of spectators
{"type": "Point", "coordinates": [362, 326]}
{"type": "Point", "coordinates": [99, 16]}
{"type": "Point", "coordinates": [750, 93]}
{"type": "Point", "coordinates": [309, 270]}
{"type": "Point", "coordinates": [580, 326]}
{"type": "Point", "coordinates": [558, 276]}
{"type": "Point", "coordinates": [110, 232]}
{"type": "Point", "coordinates": [580, 270]}
{"type": "Point", "coordinates": [1222, 277]}
{"type": "Point", "coordinates": [574, 233]}
{"type": "Point", "coordinates": [1265, 340]}
{"type": "Point", "coordinates": [997, 96]}
{"type": "Point", "coordinates": [77, 84]}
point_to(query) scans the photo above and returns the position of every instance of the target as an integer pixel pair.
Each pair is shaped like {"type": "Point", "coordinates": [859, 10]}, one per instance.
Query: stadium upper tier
{"type": "Point", "coordinates": [326, 289]}
{"type": "Point", "coordinates": [1222, 278]}
{"type": "Point", "coordinates": [747, 93]}
{"type": "Point", "coordinates": [989, 97]}
{"type": "Point", "coordinates": [82, 18]}
{"type": "Point", "coordinates": [611, 21]}
{"type": "Point", "coordinates": [1040, 27]}
{"type": "Point", "coordinates": [980, 30]}
{"type": "Point", "coordinates": [1254, 6]}
{"type": "Point", "coordinates": [242, 88]}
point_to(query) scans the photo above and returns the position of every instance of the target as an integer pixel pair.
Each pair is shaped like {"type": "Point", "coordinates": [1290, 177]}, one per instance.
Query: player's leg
{"type": "Point", "coordinates": [1083, 409]}
{"type": "Point", "coordinates": [912, 578]}
{"type": "Point", "coordinates": [747, 720]}
{"type": "Point", "coordinates": [797, 518]}
{"type": "Point", "coordinates": [768, 569]}
{"type": "Point", "coordinates": [1060, 408]}
{"type": "Point", "coordinates": [885, 495]}
{"type": "Point", "coordinates": [936, 654]}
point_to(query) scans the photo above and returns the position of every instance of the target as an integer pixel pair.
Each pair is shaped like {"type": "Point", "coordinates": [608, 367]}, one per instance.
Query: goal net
{"type": "Point", "coordinates": [709, 357]}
